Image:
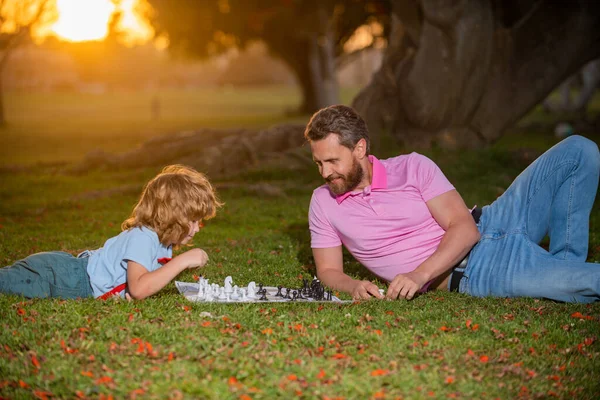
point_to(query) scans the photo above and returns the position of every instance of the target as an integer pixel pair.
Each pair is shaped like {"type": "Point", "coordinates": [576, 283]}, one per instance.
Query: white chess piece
{"type": "Point", "coordinates": [228, 282]}
{"type": "Point", "coordinates": [222, 295]}
{"type": "Point", "coordinates": [200, 295]}
{"type": "Point", "coordinates": [236, 293]}
{"type": "Point", "coordinates": [252, 290]}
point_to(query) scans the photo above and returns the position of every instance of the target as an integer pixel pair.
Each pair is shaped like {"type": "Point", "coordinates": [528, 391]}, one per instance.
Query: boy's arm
{"type": "Point", "coordinates": [451, 213]}
{"type": "Point", "coordinates": [330, 270]}
{"type": "Point", "coordinates": [141, 283]}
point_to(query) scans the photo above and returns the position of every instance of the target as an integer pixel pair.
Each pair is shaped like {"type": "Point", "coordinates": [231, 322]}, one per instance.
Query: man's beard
{"type": "Point", "coordinates": [349, 181]}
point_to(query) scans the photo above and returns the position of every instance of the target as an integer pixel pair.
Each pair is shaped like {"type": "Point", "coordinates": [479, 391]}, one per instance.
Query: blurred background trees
{"type": "Point", "coordinates": [455, 73]}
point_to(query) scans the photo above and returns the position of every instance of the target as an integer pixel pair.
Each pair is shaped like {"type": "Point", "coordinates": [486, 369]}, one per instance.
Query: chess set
{"type": "Point", "coordinates": [204, 291]}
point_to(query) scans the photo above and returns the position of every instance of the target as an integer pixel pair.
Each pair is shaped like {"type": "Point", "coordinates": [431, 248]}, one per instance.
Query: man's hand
{"type": "Point", "coordinates": [405, 286]}
{"type": "Point", "coordinates": [365, 290]}
{"type": "Point", "coordinates": [195, 258]}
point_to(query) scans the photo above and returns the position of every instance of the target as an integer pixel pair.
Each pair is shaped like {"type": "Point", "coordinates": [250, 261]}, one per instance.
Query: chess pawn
{"type": "Point", "coordinates": [200, 295]}
{"type": "Point", "coordinates": [243, 294]}
{"type": "Point", "coordinates": [236, 293]}
{"type": "Point", "coordinates": [208, 296]}
{"type": "Point", "coordinates": [252, 290]}
{"type": "Point", "coordinates": [222, 295]}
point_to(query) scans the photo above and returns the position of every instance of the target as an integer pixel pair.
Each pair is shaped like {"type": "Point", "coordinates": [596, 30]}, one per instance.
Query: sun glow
{"type": "Point", "coordinates": [81, 20]}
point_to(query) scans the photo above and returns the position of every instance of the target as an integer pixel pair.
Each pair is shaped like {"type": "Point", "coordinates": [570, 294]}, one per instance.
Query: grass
{"type": "Point", "coordinates": [439, 345]}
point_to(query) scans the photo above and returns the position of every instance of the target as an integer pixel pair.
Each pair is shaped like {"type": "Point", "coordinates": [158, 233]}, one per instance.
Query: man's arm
{"type": "Point", "coordinates": [330, 270]}
{"type": "Point", "coordinates": [451, 213]}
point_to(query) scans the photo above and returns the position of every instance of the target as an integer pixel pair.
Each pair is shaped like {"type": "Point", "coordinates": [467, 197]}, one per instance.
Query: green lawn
{"type": "Point", "coordinates": [439, 345]}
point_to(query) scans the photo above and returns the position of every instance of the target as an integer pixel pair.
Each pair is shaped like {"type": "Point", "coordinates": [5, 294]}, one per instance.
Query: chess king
{"type": "Point", "coordinates": [404, 221]}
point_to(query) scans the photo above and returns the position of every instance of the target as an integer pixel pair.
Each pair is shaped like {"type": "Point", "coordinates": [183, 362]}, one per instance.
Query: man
{"type": "Point", "coordinates": [404, 221]}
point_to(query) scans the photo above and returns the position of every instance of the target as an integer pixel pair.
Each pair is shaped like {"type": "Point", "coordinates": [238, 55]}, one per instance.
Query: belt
{"type": "Point", "coordinates": [459, 269]}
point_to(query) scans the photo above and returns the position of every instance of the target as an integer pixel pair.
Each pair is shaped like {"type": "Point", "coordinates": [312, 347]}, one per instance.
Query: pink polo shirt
{"type": "Point", "coordinates": [386, 226]}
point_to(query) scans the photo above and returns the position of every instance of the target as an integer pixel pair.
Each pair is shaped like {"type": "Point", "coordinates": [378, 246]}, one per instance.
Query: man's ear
{"type": "Point", "coordinates": [360, 149]}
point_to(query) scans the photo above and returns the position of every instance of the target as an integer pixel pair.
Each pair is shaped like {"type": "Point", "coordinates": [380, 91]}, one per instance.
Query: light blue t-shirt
{"type": "Point", "coordinates": [107, 266]}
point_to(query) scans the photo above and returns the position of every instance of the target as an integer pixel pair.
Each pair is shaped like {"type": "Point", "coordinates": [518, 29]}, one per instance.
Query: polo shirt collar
{"type": "Point", "coordinates": [378, 181]}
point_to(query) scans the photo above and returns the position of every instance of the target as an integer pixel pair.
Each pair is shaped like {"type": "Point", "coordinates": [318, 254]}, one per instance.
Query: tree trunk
{"type": "Point", "coordinates": [459, 73]}
{"type": "Point", "coordinates": [311, 56]}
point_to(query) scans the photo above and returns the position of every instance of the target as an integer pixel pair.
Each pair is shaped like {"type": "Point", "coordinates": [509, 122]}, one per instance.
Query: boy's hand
{"type": "Point", "coordinates": [195, 258]}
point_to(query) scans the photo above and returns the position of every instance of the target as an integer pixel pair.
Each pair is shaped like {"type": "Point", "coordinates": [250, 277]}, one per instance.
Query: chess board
{"type": "Point", "coordinates": [190, 291]}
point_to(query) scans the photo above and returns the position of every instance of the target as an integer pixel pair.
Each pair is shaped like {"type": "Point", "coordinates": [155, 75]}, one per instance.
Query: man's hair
{"type": "Point", "coordinates": [171, 200]}
{"type": "Point", "coordinates": [341, 120]}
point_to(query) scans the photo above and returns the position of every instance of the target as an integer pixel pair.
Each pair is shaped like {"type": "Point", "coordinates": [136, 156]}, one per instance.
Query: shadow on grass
{"type": "Point", "coordinates": [300, 236]}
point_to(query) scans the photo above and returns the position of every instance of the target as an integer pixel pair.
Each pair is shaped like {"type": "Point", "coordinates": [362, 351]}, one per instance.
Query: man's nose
{"type": "Point", "coordinates": [325, 171]}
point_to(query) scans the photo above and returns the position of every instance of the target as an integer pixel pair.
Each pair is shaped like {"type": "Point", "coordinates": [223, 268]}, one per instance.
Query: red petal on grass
{"type": "Point", "coordinates": [581, 316]}
{"type": "Point", "coordinates": [140, 348]}
{"type": "Point", "coordinates": [195, 277]}
{"type": "Point", "coordinates": [297, 361]}
{"type": "Point", "coordinates": [135, 340]}
{"type": "Point", "coordinates": [245, 397]}
{"type": "Point", "coordinates": [475, 327]}
{"type": "Point", "coordinates": [470, 353]}
{"type": "Point", "coordinates": [379, 395]}
{"type": "Point", "coordinates": [104, 380]}
{"type": "Point", "coordinates": [445, 328]}
{"type": "Point", "coordinates": [378, 332]}
{"type": "Point", "coordinates": [87, 373]}
{"type": "Point", "coordinates": [449, 380]}
{"type": "Point", "coordinates": [23, 384]}
{"type": "Point", "coordinates": [42, 395]}
{"type": "Point", "coordinates": [339, 356]}
{"type": "Point", "coordinates": [292, 377]}
{"type": "Point", "coordinates": [171, 356]}
{"type": "Point", "coordinates": [380, 372]}
{"type": "Point", "coordinates": [21, 311]}
{"type": "Point", "coordinates": [484, 359]}
{"type": "Point", "coordinates": [245, 343]}
{"type": "Point", "coordinates": [588, 341]}
{"type": "Point", "coordinates": [298, 327]}
{"type": "Point", "coordinates": [205, 323]}
{"type": "Point", "coordinates": [35, 361]}
{"type": "Point", "coordinates": [130, 317]}
{"type": "Point", "coordinates": [267, 331]}
{"type": "Point", "coordinates": [468, 323]}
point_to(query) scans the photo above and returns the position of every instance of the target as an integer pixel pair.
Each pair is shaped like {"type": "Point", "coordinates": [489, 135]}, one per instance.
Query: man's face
{"type": "Point", "coordinates": [338, 165]}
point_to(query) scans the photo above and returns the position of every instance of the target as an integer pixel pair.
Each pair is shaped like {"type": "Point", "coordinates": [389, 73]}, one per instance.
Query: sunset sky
{"type": "Point", "coordinates": [80, 20]}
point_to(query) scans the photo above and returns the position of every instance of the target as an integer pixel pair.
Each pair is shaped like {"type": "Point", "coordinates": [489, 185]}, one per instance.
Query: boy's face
{"type": "Point", "coordinates": [194, 228]}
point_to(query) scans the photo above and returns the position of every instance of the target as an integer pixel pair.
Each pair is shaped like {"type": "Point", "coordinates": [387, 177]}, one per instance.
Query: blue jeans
{"type": "Point", "coordinates": [553, 196]}
{"type": "Point", "coordinates": [48, 274]}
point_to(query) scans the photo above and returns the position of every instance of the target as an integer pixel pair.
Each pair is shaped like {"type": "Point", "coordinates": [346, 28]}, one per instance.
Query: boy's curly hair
{"type": "Point", "coordinates": [171, 200]}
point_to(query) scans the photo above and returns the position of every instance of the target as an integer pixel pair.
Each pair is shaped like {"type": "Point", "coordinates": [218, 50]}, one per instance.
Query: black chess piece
{"type": "Point", "coordinates": [260, 287]}
{"type": "Point", "coordinates": [294, 295]}
{"type": "Point", "coordinates": [264, 296]}
{"type": "Point", "coordinates": [287, 293]}
{"type": "Point", "coordinates": [279, 294]}
{"type": "Point", "coordinates": [300, 297]}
